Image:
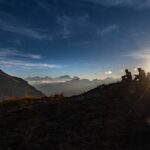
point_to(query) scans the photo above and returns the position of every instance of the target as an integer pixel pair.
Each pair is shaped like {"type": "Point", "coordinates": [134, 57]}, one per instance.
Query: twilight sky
{"type": "Point", "coordinates": [86, 38]}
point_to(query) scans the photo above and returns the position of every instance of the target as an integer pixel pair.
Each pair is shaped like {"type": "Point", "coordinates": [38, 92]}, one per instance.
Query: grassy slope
{"type": "Point", "coordinates": [103, 118]}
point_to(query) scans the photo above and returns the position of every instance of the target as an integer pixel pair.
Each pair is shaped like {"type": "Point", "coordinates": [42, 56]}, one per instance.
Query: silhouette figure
{"type": "Point", "coordinates": [141, 76]}
{"type": "Point", "coordinates": [148, 76]}
{"type": "Point", "coordinates": [127, 77]}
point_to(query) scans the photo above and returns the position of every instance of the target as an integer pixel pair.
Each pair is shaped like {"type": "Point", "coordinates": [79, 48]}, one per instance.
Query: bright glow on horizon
{"type": "Point", "coordinates": [108, 72]}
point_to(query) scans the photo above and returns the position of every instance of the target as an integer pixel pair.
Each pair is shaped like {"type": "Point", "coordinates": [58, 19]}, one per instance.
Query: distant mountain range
{"type": "Point", "coordinates": [65, 84]}
{"type": "Point", "coordinates": [46, 79]}
{"type": "Point", "coordinates": [16, 88]}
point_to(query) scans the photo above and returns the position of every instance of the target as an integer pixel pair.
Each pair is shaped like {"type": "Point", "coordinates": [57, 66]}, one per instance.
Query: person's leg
{"type": "Point", "coordinates": [136, 78]}
{"type": "Point", "coordinates": [123, 78]}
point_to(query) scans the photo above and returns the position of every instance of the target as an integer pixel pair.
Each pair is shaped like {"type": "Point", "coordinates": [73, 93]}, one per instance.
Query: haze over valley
{"type": "Point", "coordinates": [66, 85]}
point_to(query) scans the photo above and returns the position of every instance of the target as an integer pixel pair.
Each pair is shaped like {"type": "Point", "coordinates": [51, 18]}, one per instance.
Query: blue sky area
{"type": "Point", "coordinates": [86, 38]}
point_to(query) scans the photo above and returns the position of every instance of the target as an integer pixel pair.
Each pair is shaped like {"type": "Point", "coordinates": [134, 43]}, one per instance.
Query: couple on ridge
{"type": "Point", "coordinates": [140, 77]}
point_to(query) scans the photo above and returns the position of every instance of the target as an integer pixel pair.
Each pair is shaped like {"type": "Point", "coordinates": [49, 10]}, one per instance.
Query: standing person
{"type": "Point", "coordinates": [127, 77]}
{"type": "Point", "coordinates": [141, 76]}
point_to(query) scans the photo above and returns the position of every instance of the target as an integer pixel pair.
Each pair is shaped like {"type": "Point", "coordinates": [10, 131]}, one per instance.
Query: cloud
{"type": "Point", "coordinates": [138, 34]}
{"type": "Point", "coordinates": [143, 54]}
{"type": "Point", "coordinates": [69, 24]}
{"type": "Point", "coordinates": [8, 62]}
{"type": "Point", "coordinates": [64, 22]}
{"type": "Point", "coordinates": [12, 52]}
{"type": "Point", "coordinates": [108, 30]}
{"type": "Point", "coordinates": [122, 3]}
{"type": "Point", "coordinates": [18, 28]}
{"type": "Point", "coordinates": [12, 63]}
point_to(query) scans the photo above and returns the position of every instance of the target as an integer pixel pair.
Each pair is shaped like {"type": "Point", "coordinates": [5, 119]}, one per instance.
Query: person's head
{"type": "Point", "coordinates": [139, 69]}
{"type": "Point", "coordinates": [126, 70]}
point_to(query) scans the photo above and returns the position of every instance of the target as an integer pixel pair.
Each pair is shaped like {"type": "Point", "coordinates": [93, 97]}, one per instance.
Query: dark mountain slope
{"type": "Point", "coordinates": [14, 88]}
{"type": "Point", "coordinates": [113, 117]}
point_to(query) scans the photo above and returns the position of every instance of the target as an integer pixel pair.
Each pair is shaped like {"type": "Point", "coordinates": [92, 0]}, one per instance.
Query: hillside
{"type": "Point", "coordinates": [112, 117]}
{"type": "Point", "coordinates": [15, 88]}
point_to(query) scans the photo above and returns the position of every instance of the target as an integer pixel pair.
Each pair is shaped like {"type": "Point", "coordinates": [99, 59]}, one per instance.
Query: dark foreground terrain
{"type": "Point", "coordinates": [113, 117]}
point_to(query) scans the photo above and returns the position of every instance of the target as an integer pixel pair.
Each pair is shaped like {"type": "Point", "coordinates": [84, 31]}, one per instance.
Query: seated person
{"type": "Point", "coordinates": [148, 76]}
{"type": "Point", "coordinates": [127, 77]}
{"type": "Point", "coordinates": [141, 76]}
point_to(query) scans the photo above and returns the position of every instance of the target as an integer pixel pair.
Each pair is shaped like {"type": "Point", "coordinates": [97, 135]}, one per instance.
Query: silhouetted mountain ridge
{"type": "Point", "coordinates": [65, 77]}
{"type": "Point", "coordinates": [15, 88]}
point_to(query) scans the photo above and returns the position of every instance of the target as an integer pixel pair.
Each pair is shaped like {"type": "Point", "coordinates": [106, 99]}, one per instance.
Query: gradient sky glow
{"type": "Point", "coordinates": [86, 38]}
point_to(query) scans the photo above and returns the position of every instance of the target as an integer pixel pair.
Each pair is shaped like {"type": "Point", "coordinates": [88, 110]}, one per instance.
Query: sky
{"type": "Point", "coordinates": [85, 38]}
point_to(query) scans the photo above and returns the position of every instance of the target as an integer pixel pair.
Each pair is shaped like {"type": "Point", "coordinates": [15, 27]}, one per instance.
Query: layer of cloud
{"type": "Point", "coordinates": [69, 24]}
{"type": "Point", "coordinates": [108, 30]}
{"type": "Point", "coordinates": [138, 34]}
{"type": "Point", "coordinates": [64, 22]}
{"type": "Point", "coordinates": [18, 27]}
{"type": "Point", "coordinates": [11, 52]}
{"type": "Point", "coordinates": [7, 61]}
{"type": "Point", "coordinates": [15, 63]}
{"type": "Point", "coordinates": [143, 54]}
{"type": "Point", "coordinates": [124, 3]}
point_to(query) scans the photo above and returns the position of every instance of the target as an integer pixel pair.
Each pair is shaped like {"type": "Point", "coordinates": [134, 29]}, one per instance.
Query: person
{"type": "Point", "coordinates": [141, 76]}
{"type": "Point", "coordinates": [148, 76]}
{"type": "Point", "coordinates": [127, 77]}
